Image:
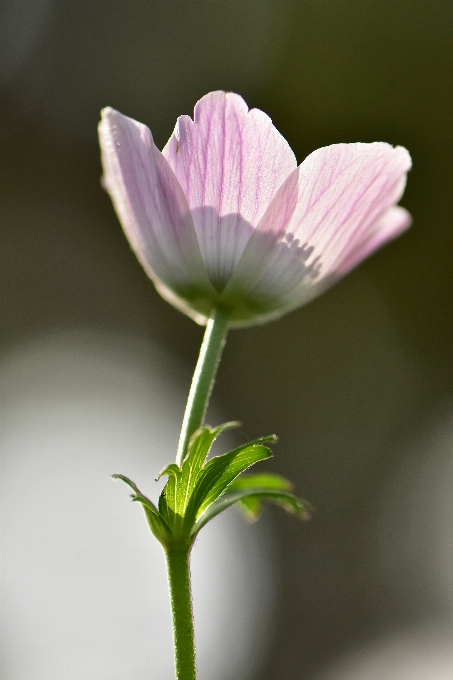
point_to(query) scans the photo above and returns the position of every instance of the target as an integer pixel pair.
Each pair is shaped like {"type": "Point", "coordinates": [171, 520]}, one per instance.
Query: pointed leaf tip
{"type": "Point", "coordinates": [155, 521]}
{"type": "Point", "coordinates": [170, 469]}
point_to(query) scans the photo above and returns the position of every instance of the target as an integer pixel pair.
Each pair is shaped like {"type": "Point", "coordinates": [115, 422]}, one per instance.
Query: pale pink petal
{"type": "Point", "coordinates": [273, 276]}
{"type": "Point", "coordinates": [150, 204]}
{"type": "Point", "coordinates": [230, 163]}
{"type": "Point", "coordinates": [329, 214]}
{"type": "Point", "coordinates": [343, 190]}
{"type": "Point", "coordinates": [391, 224]}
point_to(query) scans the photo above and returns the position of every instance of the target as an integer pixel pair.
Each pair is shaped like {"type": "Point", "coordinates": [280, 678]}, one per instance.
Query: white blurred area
{"type": "Point", "coordinates": [84, 592]}
{"type": "Point", "coordinates": [413, 544]}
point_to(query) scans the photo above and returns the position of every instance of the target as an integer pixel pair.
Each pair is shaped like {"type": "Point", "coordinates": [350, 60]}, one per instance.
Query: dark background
{"type": "Point", "coordinates": [352, 383]}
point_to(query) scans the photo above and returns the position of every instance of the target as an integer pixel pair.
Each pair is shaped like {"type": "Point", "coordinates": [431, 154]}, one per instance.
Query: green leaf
{"type": "Point", "coordinates": [176, 495]}
{"type": "Point", "coordinates": [201, 441]}
{"type": "Point", "coordinates": [167, 498]}
{"type": "Point", "coordinates": [170, 469]}
{"type": "Point", "coordinates": [286, 500]}
{"type": "Point", "coordinates": [167, 501]}
{"type": "Point", "coordinates": [252, 506]}
{"type": "Point", "coordinates": [199, 446]}
{"type": "Point", "coordinates": [220, 471]}
{"type": "Point", "coordinates": [262, 480]}
{"type": "Point", "coordinates": [157, 525]}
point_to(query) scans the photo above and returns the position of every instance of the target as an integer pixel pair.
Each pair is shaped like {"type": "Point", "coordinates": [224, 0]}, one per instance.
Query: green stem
{"type": "Point", "coordinates": [182, 614]}
{"type": "Point", "coordinates": [203, 379]}
{"type": "Point", "coordinates": [177, 555]}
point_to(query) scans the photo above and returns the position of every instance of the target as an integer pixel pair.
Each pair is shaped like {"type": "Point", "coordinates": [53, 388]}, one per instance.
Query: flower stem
{"type": "Point", "coordinates": [181, 606]}
{"type": "Point", "coordinates": [178, 556]}
{"type": "Point", "coordinates": [203, 378]}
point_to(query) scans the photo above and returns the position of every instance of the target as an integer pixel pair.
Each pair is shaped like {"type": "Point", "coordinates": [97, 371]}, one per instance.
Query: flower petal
{"type": "Point", "coordinates": [391, 224]}
{"type": "Point", "coordinates": [329, 214]}
{"type": "Point", "coordinates": [343, 191]}
{"type": "Point", "coordinates": [230, 163]}
{"type": "Point", "coordinates": [150, 204]}
{"type": "Point", "coordinates": [274, 275]}
{"type": "Point", "coordinates": [301, 281]}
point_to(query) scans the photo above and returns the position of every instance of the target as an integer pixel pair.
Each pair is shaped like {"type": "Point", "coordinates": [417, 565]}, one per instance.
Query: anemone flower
{"type": "Point", "coordinates": [223, 218]}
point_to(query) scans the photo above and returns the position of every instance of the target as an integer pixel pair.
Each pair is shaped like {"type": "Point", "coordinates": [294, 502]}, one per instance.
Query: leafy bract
{"type": "Point", "coordinates": [155, 521]}
{"type": "Point", "coordinates": [220, 471]}
{"type": "Point", "coordinates": [252, 506]}
{"type": "Point", "coordinates": [177, 495]}
{"type": "Point", "coordinates": [249, 491]}
{"type": "Point", "coordinates": [200, 489]}
{"type": "Point", "coordinates": [262, 480]}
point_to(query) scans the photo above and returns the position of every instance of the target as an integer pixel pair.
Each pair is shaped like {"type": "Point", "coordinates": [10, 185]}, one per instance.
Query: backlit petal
{"type": "Point", "coordinates": [224, 218]}
{"type": "Point", "coordinates": [391, 224]}
{"type": "Point", "coordinates": [230, 163]}
{"type": "Point", "coordinates": [330, 213]}
{"type": "Point", "coordinates": [343, 192]}
{"type": "Point", "coordinates": [274, 275]}
{"type": "Point", "coordinates": [150, 204]}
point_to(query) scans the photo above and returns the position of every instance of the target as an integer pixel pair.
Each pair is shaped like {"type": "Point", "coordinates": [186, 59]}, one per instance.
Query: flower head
{"type": "Point", "coordinates": [224, 217]}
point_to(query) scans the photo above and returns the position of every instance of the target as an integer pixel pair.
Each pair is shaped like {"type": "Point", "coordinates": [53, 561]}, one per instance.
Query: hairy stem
{"type": "Point", "coordinates": [181, 606]}
{"type": "Point", "coordinates": [203, 379]}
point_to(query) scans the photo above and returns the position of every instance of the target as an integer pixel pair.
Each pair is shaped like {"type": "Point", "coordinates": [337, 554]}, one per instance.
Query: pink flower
{"type": "Point", "coordinates": [223, 217]}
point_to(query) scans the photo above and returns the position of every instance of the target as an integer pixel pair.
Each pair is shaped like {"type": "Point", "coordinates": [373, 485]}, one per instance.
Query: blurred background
{"type": "Point", "coordinates": [358, 385]}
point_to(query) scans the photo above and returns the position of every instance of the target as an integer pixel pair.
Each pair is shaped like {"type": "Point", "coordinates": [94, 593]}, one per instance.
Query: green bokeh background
{"type": "Point", "coordinates": [351, 382]}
